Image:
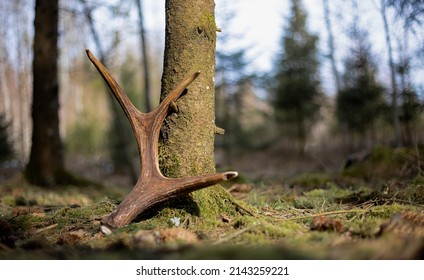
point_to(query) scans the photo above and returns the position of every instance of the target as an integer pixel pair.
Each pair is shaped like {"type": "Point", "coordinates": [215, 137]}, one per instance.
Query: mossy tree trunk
{"type": "Point", "coordinates": [187, 138]}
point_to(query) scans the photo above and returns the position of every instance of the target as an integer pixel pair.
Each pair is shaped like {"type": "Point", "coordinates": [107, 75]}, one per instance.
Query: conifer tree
{"type": "Point", "coordinates": [361, 100]}
{"type": "Point", "coordinates": [296, 90]}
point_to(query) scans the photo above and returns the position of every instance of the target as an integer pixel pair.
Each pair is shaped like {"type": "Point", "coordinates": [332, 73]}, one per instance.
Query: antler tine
{"type": "Point", "coordinates": [119, 94]}
{"type": "Point", "coordinates": [199, 182]}
{"type": "Point", "coordinates": [175, 94]}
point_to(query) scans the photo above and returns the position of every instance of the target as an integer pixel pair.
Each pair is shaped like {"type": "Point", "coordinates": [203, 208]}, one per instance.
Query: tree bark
{"type": "Point", "coordinates": [46, 159]}
{"type": "Point", "coordinates": [187, 136]}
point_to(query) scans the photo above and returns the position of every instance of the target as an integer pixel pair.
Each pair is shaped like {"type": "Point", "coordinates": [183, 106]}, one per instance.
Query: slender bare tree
{"type": "Point", "coordinates": [330, 42]}
{"type": "Point", "coordinates": [394, 86]}
{"type": "Point", "coordinates": [145, 59]}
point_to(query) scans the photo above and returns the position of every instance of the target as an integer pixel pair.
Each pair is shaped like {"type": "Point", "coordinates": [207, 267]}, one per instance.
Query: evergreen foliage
{"type": "Point", "coordinates": [230, 75]}
{"type": "Point", "coordinates": [361, 100]}
{"type": "Point", "coordinates": [296, 90]}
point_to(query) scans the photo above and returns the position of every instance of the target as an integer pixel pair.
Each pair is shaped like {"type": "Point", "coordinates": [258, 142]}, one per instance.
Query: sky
{"type": "Point", "coordinates": [257, 26]}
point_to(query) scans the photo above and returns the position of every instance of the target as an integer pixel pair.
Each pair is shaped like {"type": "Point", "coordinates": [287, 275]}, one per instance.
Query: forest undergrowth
{"type": "Point", "coordinates": [372, 210]}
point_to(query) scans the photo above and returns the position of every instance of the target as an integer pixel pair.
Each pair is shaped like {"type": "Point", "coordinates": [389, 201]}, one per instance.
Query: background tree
{"type": "Point", "coordinates": [331, 48]}
{"type": "Point", "coordinates": [230, 76]}
{"type": "Point", "coordinates": [16, 56]}
{"type": "Point", "coordinates": [296, 93]}
{"type": "Point", "coordinates": [121, 143]}
{"type": "Point", "coordinates": [360, 103]}
{"type": "Point", "coordinates": [45, 166]}
{"type": "Point", "coordinates": [411, 106]}
{"type": "Point", "coordinates": [145, 65]}
{"type": "Point", "coordinates": [394, 86]}
{"type": "Point", "coordinates": [187, 144]}
{"type": "Point", "coordinates": [6, 146]}
{"type": "Point", "coordinates": [410, 13]}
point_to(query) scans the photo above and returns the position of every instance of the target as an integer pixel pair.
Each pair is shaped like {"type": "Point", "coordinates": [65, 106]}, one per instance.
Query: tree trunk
{"type": "Point", "coordinates": [395, 107]}
{"type": "Point", "coordinates": [146, 71]}
{"type": "Point", "coordinates": [332, 51]}
{"type": "Point", "coordinates": [187, 137]}
{"type": "Point", "coordinates": [46, 160]}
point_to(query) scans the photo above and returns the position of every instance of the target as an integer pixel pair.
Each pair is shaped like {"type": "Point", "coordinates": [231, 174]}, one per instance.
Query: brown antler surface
{"type": "Point", "coordinates": [152, 187]}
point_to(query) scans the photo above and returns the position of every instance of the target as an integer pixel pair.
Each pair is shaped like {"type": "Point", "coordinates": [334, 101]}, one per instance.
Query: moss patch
{"type": "Point", "coordinates": [384, 163]}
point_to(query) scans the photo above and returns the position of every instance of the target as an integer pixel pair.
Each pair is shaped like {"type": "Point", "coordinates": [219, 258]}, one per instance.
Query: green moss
{"type": "Point", "coordinates": [168, 162]}
{"type": "Point", "coordinates": [259, 230]}
{"type": "Point", "coordinates": [81, 215]}
{"type": "Point", "coordinates": [385, 163]}
{"type": "Point", "coordinates": [386, 211]}
{"type": "Point", "coordinates": [303, 203]}
{"type": "Point", "coordinates": [413, 192]}
{"type": "Point", "coordinates": [329, 194]}
{"type": "Point", "coordinates": [29, 221]}
{"type": "Point", "coordinates": [207, 26]}
{"type": "Point", "coordinates": [310, 179]}
{"type": "Point", "coordinates": [214, 201]}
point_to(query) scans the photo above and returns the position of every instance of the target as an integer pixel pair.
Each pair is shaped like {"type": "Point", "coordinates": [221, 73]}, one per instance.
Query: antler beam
{"type": "Point", "coordinates": [152, 187]}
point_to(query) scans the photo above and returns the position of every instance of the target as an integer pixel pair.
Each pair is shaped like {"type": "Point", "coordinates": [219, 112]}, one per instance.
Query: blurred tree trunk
{"type": "Point", "coordinates": [23, 87]}
{"type": "Point", "coordinates": [45, 165]}
{"type": "Point", "coordinates": [187, 144]}
{"type": "Point", "coordinates": [4, 85]}
{"type": "Point", "coordinates": [395, 107]}
{"type": "Point", "coordinates": [146, 71]}
{"type": "Point", "coordinates": [332, 51]}
{"type": "Point", "coordinates": [121, 139]}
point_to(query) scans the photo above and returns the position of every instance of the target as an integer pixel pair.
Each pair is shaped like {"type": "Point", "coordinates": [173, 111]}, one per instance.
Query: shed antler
{"type": "Point", "coordinates": [152, 187]}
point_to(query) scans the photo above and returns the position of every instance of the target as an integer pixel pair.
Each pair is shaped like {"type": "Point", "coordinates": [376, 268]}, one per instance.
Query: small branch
{"type": "Point", "coordinates": [44, 229]}
{"type": "Point", "coordinates": [175, 94]}
{"type": "Point", "coordinates": [244, 209]}
{"type": "Point", "coordinates": [403, 201]}
{"type": "Point", "coordinates": [338, 212]}
{"type": "Point", "coordinates": [233, 235]}
{"type": "Point", "coordinates": [219, 130]}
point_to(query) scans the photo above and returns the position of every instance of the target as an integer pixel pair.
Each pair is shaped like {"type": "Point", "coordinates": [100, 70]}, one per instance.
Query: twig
{"type": "Point", "coordinates": [338, 212]}
{"type": "Point", "coordinates": [244, 209]}
{"type": "Point", "coordinates": [46, 228]}
{"type": "Point", "coordinates": [235, 234]}
{"type": "Point", "coordinates": [402, 201]}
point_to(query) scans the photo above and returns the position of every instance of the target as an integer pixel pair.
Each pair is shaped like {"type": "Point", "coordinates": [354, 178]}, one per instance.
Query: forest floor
{"type": "Point", "coordinates": [372, 210]}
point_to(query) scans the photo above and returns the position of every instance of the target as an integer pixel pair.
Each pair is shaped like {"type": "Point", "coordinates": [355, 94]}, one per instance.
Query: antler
{"type": "Point", "coordinates": [152, 187]}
